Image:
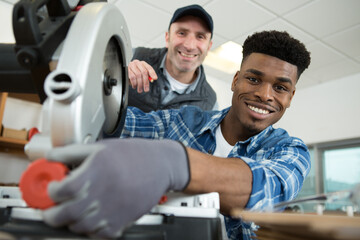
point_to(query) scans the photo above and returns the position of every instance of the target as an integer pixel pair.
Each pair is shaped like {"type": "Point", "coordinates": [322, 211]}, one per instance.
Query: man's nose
{"type": "Point", "coordinates": [265, 92]}
{"type": "Point", "coordinates": [190, 42]}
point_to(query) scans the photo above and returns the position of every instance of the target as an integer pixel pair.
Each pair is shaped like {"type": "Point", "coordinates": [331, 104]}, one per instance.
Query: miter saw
{"type": "Point", "coordinates": [82, 52]}
{"type": "Point", "coordinates": [87, 92]}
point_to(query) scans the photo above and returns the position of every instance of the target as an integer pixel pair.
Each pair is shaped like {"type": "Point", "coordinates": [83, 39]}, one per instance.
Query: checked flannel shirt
{"type": "Point", "coordinates": [279, 162]}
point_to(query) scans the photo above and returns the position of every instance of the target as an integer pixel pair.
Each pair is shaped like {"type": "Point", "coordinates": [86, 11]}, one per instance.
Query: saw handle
{"type": "Point", "coordinates": [34, 182]}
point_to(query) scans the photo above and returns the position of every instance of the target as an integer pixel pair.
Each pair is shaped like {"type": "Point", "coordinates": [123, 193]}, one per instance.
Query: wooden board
{"type": "Point", "coordinates": [294, 226]}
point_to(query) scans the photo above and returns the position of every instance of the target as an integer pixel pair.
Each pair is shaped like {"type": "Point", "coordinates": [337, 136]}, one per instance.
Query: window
{"type": "Point", "coordinates": [334, 167]}
{"type": "Point", "coordinates": [309, 187]}
{"type": "Point", "coordinates": [341, 171]}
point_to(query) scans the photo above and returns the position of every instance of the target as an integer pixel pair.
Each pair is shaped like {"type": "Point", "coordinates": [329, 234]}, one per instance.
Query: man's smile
{"type": "Point", "coordinates": [258, 110]}
{"type": "Point", "coordinates": [188, 55]}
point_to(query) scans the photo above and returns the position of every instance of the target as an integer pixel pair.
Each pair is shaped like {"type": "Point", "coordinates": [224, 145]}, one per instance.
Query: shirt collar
{"type": "Point", "coordinates": [219, 116]}
{"type": "Point", "coordinates": [162, 64]}
{"type": "Point", "coordinates": [214, 122]}
{"type": "Point", "coordinates": [192, 87]}
{"type": "Point", "coordinates": [258, 137]}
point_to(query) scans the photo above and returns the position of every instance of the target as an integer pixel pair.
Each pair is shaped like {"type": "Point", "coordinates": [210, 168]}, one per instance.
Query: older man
{"type": "Point", "coordinates": [176, 75]}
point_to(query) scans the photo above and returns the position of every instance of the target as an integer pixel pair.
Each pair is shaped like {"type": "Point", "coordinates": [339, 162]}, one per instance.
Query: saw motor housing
{"type": "Point", "coordinates": [87, 92]}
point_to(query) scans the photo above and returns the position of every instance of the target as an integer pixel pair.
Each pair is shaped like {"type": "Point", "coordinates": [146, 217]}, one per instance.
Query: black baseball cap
{"type": "Point", "coordinates": [196, 11]}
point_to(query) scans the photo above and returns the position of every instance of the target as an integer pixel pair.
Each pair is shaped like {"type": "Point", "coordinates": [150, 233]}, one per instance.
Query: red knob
{"type": "Point", "coordinates": [35, 179]}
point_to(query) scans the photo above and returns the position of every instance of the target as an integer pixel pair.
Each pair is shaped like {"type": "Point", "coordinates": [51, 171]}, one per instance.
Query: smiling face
{"type": "Point", "coordinates": [188, 42]}
{"type": "Point", "coordinates": [262, 90]}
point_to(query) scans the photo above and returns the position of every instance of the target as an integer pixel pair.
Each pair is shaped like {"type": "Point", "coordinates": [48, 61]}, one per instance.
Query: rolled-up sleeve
{"type": "Point", "coordinates": [278, 173]}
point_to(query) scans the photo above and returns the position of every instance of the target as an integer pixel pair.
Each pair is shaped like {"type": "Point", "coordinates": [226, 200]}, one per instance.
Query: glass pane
{"type": "Point", "coordinates": [308, 188]}
{"type": "Point", "coordinates": [341, 171]}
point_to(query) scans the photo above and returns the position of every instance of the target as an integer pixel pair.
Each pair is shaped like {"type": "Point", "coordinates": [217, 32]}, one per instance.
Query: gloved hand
{"type": "Point", "coordinates": [117, 181]}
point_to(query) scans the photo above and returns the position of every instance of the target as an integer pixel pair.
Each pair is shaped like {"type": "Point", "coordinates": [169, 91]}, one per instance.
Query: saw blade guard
{"type": "Point", "coordinates": [87, 92]}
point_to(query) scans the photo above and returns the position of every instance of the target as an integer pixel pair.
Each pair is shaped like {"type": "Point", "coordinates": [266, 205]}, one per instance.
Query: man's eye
{"type": "Point", "coordinates": [280, 88]}
{"type": "Point", "coordinates": [252, 79]}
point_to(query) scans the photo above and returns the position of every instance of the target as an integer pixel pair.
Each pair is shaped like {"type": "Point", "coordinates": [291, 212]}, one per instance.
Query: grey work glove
{"type": "Point", "coordinates": [117, 181]}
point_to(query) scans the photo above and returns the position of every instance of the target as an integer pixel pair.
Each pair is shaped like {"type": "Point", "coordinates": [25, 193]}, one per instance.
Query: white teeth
{"type": "Point", "coordinates": [186, 55]}
{"type": "Point", "coordinates": [258, 110]}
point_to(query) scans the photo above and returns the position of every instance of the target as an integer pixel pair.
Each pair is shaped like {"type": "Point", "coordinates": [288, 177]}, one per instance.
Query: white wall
{"type": "Point", "coordinates": [11, 167]}
{"type": "Point", "coordinates": [6, 35]}
{"type": "Point", "coordinates": [18, 114]}
{"type": "Point", "coordinates": [223, 91]}
{"type": "Point", "coordinates": [325, 112]}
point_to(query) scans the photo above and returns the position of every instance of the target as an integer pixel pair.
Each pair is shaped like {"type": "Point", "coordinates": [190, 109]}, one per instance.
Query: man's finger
{"type": "Point", "coordinates": [70, 187]}
{"type": "Point", "coordinates": [152, 74]}
{"type": "Point", "coordinates": [71, 154]}
{"type": "Point", "coordinates": [67, 212]}
{"type": "Point", "coordinates": [132, 78]}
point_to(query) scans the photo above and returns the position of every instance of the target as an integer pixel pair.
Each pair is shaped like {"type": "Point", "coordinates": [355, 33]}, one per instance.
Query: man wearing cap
{"type": "Point", "coordinates": [164, 78]}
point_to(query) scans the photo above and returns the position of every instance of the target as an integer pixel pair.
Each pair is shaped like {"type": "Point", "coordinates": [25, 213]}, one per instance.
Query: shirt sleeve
{"type": "Point", "coordinates": [151, 125]}
{"type": "Point", "coordinates": [278, 174]}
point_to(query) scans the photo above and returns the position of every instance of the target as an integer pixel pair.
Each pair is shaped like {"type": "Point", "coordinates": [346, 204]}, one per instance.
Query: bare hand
{"type": "Point", "coordinates": [140, 75]}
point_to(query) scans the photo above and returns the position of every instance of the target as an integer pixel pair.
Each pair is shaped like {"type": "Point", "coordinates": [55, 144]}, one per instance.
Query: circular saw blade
{"type": "Point", "coordinates": [112, 86]}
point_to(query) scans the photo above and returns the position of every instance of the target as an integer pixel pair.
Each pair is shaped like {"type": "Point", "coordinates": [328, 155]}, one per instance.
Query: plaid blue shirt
{"type": "Point", "coordinates": [279, 163]}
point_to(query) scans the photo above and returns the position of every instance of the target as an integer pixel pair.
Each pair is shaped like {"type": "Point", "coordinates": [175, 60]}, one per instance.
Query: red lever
{"type": "Point", "coordinates": [163, 199]}
{"type": "Point", "coordinates": [35, 179]}
{"type": "Point", "coordinates": [32, 132]}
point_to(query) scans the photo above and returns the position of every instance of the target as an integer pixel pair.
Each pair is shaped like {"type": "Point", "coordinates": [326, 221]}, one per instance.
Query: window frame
{"type": "Point", "coordinates": [318, 160]}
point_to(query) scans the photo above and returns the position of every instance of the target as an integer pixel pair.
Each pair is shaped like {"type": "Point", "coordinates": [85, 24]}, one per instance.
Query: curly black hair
{"type": "Point", "coordinates": [280, 45]}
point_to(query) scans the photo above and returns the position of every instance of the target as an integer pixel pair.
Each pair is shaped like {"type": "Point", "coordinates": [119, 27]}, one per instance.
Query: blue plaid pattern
{"type": "Point", "coordinates": [279, 163]}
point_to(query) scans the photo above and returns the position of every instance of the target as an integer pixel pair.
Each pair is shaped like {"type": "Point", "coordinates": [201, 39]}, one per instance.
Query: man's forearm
{"type": "Point", "coordinates": [230, 177]}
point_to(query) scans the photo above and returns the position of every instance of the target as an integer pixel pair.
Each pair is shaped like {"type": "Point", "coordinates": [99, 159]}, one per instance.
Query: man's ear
{"type": "Point", "coordinates": [210, 44]}
{"type": "Point", "coordinates": [235, 79]}
{"type": "Point", "coordinates": [291, 97]}
{"type": "Point", "coordinates": [167, 36]}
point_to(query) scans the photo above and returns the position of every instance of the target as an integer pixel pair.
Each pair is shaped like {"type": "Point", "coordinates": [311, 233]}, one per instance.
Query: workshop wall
{"type": "Point", "coordinates": [18, 114]}
{"type": "Point", "coordinates": [325, 112]}
{"type": "Point", "coordinates": [6, 35]}
{"type": "Point", "coordinates": [223, 91]}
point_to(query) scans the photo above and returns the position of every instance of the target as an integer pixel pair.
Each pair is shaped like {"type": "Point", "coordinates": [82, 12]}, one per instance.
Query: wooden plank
{"type": "Point", "coordinates": [31, 97]}
{"type": "Point", "coordinates": [9, 144]}
{"type": "Point", "coordinates": [306, 226]}
{"type": "Point", "coordinates": [3, 97]}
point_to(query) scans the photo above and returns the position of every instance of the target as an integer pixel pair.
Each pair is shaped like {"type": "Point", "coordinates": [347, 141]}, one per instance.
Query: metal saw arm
{"type": "Point", "coordinates": [87, 92]}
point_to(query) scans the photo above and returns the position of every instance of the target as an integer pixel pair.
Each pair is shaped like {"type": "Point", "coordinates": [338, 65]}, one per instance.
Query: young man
{"type": "Point", "coordinates": [235, 152]}
{"type": "Point", "coordinates": [177, 76]}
